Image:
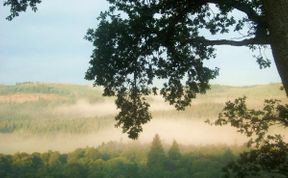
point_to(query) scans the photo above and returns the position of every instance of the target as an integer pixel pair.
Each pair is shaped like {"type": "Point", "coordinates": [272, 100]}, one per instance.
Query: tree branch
{"type": "Point", "coordinates": [245, 42]}
{"type": "Point", "coordinates": [243, 7]}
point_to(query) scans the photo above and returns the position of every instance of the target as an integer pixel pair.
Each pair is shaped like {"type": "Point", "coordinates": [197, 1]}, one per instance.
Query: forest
{"type": "Point", "coordinates": [49, 111]}
{"type": "Point", "coordinates": [119, 160]}
{"type": "Point", "coordinates": [45, 108]}
{"type": "Point", "coordinates": [144, 53]}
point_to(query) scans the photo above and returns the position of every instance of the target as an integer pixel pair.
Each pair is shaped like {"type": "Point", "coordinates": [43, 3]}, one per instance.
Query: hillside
{"type": "Point", "coordinates": [44, 111]}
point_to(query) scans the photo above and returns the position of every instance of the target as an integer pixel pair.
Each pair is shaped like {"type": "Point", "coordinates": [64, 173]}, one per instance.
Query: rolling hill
{"type": "Point", "coordinates": [65, 111]}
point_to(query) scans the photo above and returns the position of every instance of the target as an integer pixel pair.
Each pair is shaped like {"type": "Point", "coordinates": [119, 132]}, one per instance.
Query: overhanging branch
{"type": "Point", "coordinates": [245, 42]}
{"type": "Point", "coordinates": [243, 7]}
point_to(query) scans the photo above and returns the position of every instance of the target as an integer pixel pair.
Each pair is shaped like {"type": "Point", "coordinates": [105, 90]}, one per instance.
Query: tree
{"type": "Point", "coordinates": [174, 152]}
{"type": "Point", "coordinates": [173, 163]}
{"type": "Point", "coordinates": [156, 158]}
{"type": "Point", "coordinates": [5, 165]}
{"type": "Point", "coordinates": [137, 42]}
{"type": "Point", "coordinates": [156, 155]}
{"type": "Point", "coordinates": [17, 6]}
{"type": "Point", "coordinates": [268, 154]}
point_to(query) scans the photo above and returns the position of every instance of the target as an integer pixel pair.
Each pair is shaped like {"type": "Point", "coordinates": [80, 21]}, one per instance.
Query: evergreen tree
{"type": "Point", "coordinates": [156, 159]}
{"type": "Point", "coordinates": [173, 163]}
{"type": "Point", "coordinates": [174, 151]}
{"type": "Point", "coordinates": [228, 156]}
{"type": "Point", "coordinates": [156, 156]}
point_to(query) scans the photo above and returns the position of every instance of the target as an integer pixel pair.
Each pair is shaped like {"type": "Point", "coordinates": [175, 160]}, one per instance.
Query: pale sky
{"type": "Point", "coordinates": [48, 46]}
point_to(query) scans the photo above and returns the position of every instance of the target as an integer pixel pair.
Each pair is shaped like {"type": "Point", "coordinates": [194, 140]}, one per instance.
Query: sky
{"type": "Point", "coordinates": [48, 46]}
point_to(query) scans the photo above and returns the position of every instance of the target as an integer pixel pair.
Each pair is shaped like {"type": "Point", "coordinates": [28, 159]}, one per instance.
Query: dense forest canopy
{"type": "Point", "coordinates": [115, 159]}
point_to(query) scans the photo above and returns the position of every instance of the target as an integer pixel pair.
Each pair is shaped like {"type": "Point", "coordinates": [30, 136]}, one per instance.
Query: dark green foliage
{"type": "Point", "coordinates": [154, 42]}
{"type": "Point", "coordinates": [114, 160]}
{"type": "Point", "coordinates": [17, 6]}
{"type": "Point", "coordinates": [174, 152]}
{"type": "Point", "coordinates": [137, 42]}
{"type": "Point", "coordinates": [269, 153]}
{"type": "Point", "coordinates": [174, 163]}
{"type": "Point", "coordinates": [134, 112]}
{"type": "Point", "coordinates": [156, 159]}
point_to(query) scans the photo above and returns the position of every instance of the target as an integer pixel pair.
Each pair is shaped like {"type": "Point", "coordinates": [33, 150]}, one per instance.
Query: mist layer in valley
{"type": "Point", "coordinates": [64, 118]}
{"type": "Point", "coordinates": [184, 131]}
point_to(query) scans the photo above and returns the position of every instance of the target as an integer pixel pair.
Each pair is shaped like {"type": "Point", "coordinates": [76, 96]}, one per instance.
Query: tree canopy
{"type": "Point", "coordinates": [93, 162]}
{"type": "Point", "coordinates": [139, 42]}
{"type": "Point", "coordinates": [268, 150]}
{"type": "Point", "coordinates": [17, 6]}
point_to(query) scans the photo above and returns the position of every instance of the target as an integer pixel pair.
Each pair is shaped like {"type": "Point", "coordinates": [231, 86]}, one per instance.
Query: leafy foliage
{"type": "Point", "coordinates": [156, 156]}
{"type": "Point", "coordinates": [114, 159]}
{"type": "Point", "coordinates": [137, 42]}
{"type": "Point", "coordinates": [17, 6]}
{"type": "Point", "coordinates": [268, 152]}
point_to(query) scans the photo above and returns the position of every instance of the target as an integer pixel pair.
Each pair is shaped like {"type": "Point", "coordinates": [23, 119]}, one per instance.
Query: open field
{"type": "Point", "coordinates": [39, 117]}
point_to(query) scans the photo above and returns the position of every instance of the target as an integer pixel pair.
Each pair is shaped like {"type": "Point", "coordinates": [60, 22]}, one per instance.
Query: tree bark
{"type": "Point", "coordinates": [276, 12]}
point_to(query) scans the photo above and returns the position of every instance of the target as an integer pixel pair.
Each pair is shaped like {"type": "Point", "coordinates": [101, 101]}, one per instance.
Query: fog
{"type": "Point", "coordinates": [184, 131]}
{"type": "Point", "coordinates": [187, 131]}
{"type": "Point", "coordinates": [83, 108]}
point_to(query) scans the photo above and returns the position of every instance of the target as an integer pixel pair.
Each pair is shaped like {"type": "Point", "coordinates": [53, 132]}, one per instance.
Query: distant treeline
{"type": "Point", "coordinates": [70, 91]}
{"type": "Point", "coordinates": [21, 114]}
{"type": "Point", "coordinates": [117, 160]}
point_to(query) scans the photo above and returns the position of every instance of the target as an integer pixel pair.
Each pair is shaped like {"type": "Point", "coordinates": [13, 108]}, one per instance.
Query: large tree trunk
{"type": "Point", "coordinates": [277, 17]}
